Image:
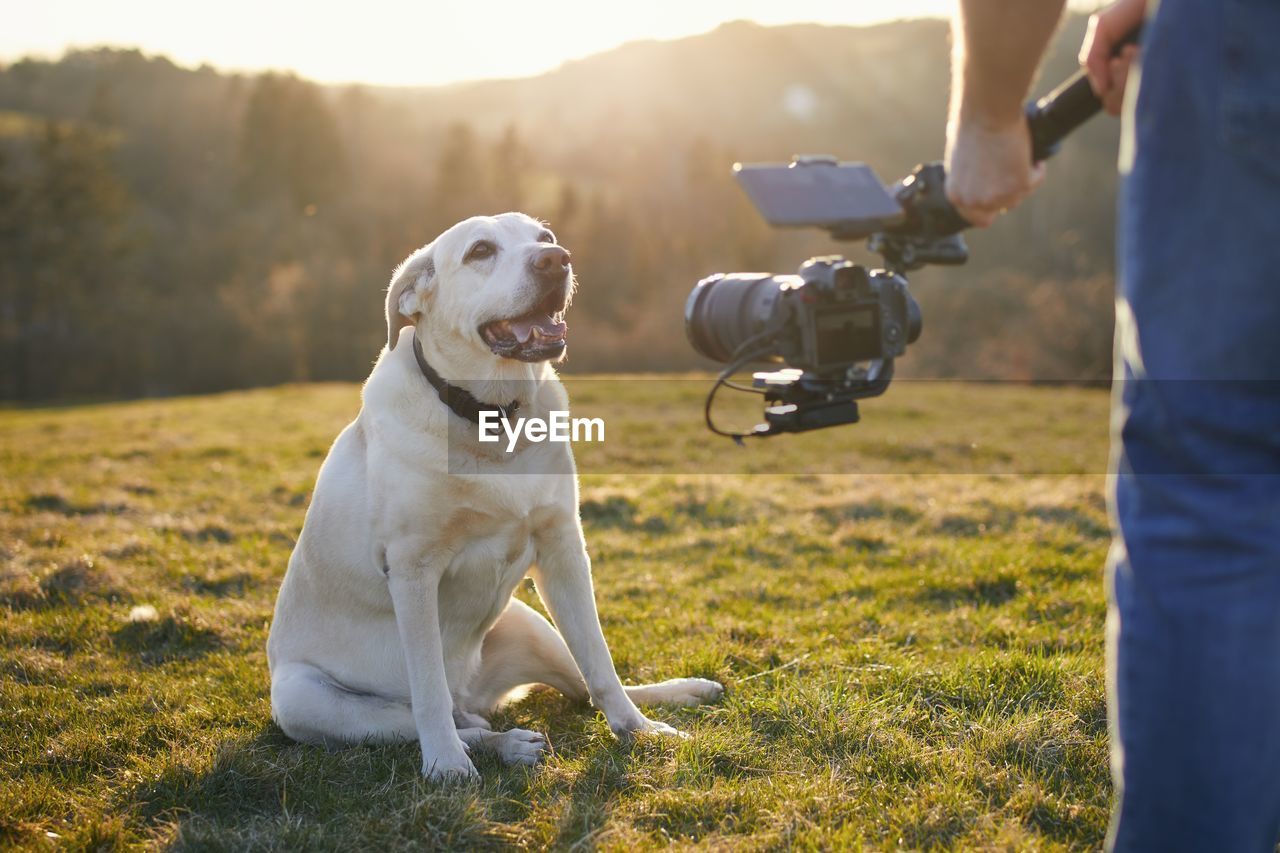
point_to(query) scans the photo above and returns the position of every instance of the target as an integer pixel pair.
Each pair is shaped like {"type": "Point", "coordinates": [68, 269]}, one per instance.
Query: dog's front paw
{"type": "Point", "coordinates": [450, 766]}
{"type": "Point", "coordinates": [645, 726]}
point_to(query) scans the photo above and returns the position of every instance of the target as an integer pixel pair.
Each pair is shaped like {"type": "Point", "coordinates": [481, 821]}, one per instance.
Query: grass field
{"type": "Point", "coordinates": [913, 656]}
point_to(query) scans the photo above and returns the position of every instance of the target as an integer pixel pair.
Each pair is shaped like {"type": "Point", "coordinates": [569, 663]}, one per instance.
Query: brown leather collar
{"type": "Point", "coordinates": [459, 400]}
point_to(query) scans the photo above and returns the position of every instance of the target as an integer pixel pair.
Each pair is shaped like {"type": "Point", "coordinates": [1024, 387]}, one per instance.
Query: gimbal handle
{"type": "Point", "coordinates": [1058, 113]}
{"type": "Point", "coordinates": [930, 231]}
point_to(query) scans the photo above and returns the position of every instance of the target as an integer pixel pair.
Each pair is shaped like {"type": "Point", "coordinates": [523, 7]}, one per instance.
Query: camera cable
{"type": "Point", "coordinates": [750, 350]}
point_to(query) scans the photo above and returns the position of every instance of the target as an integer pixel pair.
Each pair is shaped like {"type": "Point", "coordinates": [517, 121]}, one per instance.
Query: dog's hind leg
{"type": "Point", "coordinates": [514, 746]}
{"type": "Point", "coordinates": [465, 720]}
{"type": "Point", "coordinates": [524, 648]}
{"type": "Point", "coordinates": [312, 707]}
{"type": "Point", "coordinates": [675, 691]}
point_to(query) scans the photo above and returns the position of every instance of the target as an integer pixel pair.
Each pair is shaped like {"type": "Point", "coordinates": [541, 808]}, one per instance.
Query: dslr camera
{"type": "Point", "coordinates": [835, 325]}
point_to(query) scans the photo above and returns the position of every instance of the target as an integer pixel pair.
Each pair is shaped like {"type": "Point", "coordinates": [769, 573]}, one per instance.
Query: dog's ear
{"type": "Point", "coordinates": [404, 294]}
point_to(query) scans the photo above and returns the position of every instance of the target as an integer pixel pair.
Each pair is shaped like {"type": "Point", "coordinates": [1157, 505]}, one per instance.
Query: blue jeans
{"type": "Point", "coordinates": [1194, 576]}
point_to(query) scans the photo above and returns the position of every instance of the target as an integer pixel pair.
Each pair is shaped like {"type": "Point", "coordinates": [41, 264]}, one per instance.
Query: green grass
{"type": "Point", "coordinates": [912, 659]}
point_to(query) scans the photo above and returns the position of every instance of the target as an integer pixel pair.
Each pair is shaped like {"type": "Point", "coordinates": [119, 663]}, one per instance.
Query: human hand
{"type": "Point", "coordinates": [1108, 70]}
{"type": "Point", "coordinates": [989, 168]}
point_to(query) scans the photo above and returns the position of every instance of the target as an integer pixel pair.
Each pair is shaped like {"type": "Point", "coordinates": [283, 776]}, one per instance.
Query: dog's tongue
{"type": "Point", "coordinates": [524, 327]}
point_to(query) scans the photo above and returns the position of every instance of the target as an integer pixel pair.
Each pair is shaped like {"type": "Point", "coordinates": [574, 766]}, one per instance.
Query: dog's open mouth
{"type": "Point", "coordinates": [538, 335]}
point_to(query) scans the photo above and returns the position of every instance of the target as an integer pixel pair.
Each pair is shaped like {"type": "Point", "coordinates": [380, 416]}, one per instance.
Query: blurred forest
{"type": "Point", "coordinates": [166, 230]}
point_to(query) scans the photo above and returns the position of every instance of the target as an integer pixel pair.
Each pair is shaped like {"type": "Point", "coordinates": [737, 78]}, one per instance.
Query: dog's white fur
{"type": "Point", "coordinates": [396, 618]}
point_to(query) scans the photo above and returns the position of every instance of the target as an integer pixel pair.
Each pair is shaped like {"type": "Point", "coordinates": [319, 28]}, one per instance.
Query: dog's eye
{"type": "Point", "coordinates": [546, 237]}
{"type": "Point", "coordinates": [480, 251]}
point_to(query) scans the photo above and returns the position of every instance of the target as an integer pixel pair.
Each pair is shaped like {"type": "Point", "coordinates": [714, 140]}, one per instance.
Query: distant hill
{"type": "Point", "coordinates": [248, 204]}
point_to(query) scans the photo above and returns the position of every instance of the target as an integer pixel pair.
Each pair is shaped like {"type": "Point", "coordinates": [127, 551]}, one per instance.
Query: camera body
{"type": "Point", "coordinates": [832, 315]}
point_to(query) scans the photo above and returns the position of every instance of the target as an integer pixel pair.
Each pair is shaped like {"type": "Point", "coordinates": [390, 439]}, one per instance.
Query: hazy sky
{"type": "Point", "coordinates": [409, 43]}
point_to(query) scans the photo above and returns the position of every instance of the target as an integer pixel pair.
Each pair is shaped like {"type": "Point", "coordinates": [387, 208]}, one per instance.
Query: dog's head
{"type": "Point", "coordinates": [498, 284]}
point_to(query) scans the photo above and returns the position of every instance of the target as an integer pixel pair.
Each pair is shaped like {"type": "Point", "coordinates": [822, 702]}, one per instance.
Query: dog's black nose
{"type": "Point", "coordinates": [550, 262]}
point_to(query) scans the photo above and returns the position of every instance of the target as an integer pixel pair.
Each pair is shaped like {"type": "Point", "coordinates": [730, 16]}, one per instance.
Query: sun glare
{"type": "Point", "coordinates": [401, 43]}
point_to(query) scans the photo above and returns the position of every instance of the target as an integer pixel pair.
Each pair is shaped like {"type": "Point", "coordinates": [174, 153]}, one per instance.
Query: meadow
{"type": "Point", "coordinates": [907, 615]}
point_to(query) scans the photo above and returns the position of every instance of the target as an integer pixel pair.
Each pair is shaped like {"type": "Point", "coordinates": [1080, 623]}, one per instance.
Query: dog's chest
{"type": "Point", "coordinates": [491, 554]}
{"type": "Point", "coordinates": [480, 538]}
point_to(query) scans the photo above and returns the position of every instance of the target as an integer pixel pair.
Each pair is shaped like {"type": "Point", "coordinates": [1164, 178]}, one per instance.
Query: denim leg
{"type": "Point", "coordinates": [1194, 629]}
{"type": "Point", "coordinates": [1194, 574]}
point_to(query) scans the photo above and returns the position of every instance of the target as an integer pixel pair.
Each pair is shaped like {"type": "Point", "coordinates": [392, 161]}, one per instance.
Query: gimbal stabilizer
{"type": "Point", "coordinates": [837, 326]}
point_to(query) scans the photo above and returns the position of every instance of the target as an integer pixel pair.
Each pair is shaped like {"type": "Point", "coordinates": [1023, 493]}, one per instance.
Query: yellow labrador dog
{"type": "Point", "coordinates": [395, 619]}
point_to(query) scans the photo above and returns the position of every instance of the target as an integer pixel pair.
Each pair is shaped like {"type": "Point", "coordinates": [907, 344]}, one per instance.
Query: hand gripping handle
{"type": "Point", "coordinates": [1054, 116]}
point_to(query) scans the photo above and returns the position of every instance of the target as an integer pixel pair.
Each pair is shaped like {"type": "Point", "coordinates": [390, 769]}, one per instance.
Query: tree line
{"type": "Point", "coordinates": [167, 230]}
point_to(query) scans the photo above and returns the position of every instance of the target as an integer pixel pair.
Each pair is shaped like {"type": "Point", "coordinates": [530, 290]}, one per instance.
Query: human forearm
{"type": "Point", "coordinates": [998, 45]}
{"type": "Point", "coordinates": [997, 48]}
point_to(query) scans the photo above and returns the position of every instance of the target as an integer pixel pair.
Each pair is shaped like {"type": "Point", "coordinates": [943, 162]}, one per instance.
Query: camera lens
{"type": "Point", "coordinates": [725, 310]}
